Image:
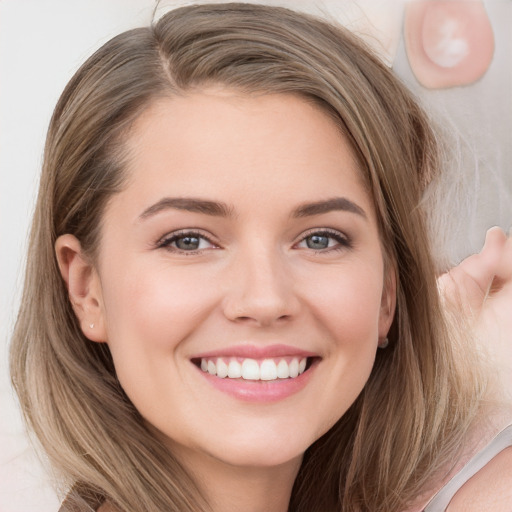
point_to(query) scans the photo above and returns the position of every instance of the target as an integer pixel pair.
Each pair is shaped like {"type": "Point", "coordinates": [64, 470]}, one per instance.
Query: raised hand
{"type": "Point", "coordinates": [480, 289]}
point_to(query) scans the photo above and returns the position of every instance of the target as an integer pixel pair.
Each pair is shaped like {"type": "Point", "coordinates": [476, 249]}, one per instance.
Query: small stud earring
{"type": "Point", "coordinates": [91, 326]}
{"type": "Point", "coordinates": [384, 343]}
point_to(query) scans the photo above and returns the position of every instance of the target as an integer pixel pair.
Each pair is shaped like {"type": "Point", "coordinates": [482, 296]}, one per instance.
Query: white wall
{"type": "Point", "coordinates": [42, 42]}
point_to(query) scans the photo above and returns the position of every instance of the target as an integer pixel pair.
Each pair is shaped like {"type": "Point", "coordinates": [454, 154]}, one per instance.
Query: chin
{"type": "Point", "coordinates": [262, 452]}
{"type": "Point", "coordinates": [263, 458]}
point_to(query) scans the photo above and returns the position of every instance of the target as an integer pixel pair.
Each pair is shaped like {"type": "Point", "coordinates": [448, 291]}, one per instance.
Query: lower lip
{"type": "Point", "coordinates": [260, 390]}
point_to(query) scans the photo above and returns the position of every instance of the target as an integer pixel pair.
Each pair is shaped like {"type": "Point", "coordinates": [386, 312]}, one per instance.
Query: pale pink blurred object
{"type": "Point", "coordinates": [449, 42]}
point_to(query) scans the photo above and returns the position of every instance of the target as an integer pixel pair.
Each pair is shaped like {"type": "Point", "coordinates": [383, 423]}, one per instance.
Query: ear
{"type": "Point", "coordinates": [387, 305]}
{"type": "Point", "coordinates": [84, 287]}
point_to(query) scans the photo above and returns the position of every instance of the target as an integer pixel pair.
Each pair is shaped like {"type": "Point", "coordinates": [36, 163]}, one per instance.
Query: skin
{"type": "Point", "coordinates": [252, 281]}
{"type": "Point", "coordinates": [480, 289]}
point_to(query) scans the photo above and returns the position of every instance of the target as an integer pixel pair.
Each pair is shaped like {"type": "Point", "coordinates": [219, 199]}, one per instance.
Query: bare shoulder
{"type": "Point", "coordinates": [489, 489]}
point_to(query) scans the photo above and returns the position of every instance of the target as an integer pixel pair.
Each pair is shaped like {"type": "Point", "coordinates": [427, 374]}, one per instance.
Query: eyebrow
{"type": "Point", "coordinates": [219, 209]}
{"type": "Point", "coordinates": [189, 204]}
{"type": "Point", "coordinates": [329, 205]}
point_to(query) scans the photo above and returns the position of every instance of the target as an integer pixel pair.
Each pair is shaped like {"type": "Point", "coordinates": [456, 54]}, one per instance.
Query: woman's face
{"type": "Point", "coordinates": [240, 276]}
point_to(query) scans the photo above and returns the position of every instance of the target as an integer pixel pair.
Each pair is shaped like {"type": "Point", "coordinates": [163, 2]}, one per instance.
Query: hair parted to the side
{"type": "Point", "coordinates": [420, 399]}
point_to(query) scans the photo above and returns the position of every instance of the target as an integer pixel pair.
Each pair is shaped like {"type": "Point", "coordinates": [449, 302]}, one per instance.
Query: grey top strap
{"type": "Point", "coordinates": [442, 499]}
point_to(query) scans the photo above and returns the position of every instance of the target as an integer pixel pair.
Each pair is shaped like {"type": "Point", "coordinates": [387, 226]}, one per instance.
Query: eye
{"type": "Point", "coordinates": [186, 241]}
{"type": "Point", "coordinates": [324, 240]}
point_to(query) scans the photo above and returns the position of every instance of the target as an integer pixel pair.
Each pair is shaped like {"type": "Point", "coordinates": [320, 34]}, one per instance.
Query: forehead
{"type": "Point", "coordinates": [220, 141]}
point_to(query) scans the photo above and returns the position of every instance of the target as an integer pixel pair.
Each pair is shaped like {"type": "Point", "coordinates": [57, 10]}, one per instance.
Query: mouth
{"type": "Point", "coordinates": [257, 373]}
{"type": "Point", "coordinates": [249, 369]}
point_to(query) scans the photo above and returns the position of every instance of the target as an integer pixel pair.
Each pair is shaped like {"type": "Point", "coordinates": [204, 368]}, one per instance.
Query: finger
{"type": "Point", "coordinates": [489, 262]}
{"type": "Point", "coordinates": [468, 283]}
{"type": "Point", "coordinates": [503, 272]}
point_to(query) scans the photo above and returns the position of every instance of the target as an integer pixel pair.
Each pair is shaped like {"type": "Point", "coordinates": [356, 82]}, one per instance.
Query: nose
{"type": "Point", "coordinates": [260, 289]}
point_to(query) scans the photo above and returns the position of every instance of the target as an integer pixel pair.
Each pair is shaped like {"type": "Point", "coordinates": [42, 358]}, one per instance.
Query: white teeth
{"type": "Point", "coordinates": [251, 369]}
{"type": "Point", "coordinates": [212, 369]}
{"type": "Point", "coordinates": [268, 370]}
{"type": "Point", "coordinates": [234, 369]}
{"type": "Point", "coordinates": [222, 369]}
{"type": "Point", "coordinates": [283, 370]}
{"type": "Point", "coordinates": [294, 368]}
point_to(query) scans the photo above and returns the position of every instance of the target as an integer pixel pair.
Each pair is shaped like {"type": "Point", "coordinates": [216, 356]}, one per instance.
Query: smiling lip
{"type": "Point", "coordinates": [257, 352]}
{"type": "Point", "coordinates": [259, 391]}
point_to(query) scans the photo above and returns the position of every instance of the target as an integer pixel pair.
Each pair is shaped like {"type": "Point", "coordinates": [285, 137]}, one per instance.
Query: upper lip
{"type": "Point", "coordinates": [256, 352]}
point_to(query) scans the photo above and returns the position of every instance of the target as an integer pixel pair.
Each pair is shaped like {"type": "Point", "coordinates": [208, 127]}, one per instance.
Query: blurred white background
{"type": "Point", "coordinates": [42, 42]}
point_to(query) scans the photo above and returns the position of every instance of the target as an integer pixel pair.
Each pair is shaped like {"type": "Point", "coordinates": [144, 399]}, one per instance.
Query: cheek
{"type": "Point", "coordinates": [148, 316]}
{"type": "Point", "coordinates": [154, 308]}
{"type": "Point", "coordinates": [348, 305]}
{"type": "Point", "coordinates": [346, 310]}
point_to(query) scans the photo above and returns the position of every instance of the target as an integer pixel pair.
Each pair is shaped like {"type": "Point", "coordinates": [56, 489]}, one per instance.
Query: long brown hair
{"type": "Point", "coordinates": [420, 399]}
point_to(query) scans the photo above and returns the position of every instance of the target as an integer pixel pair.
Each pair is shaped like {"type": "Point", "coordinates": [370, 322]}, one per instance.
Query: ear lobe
{"type": "Point", "coordinates": [84, 287]}
{"type": "Point", "coordinates": [388, 303]}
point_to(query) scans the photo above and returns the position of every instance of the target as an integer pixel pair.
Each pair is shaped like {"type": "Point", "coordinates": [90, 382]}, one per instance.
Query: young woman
{"type": "Point", "coordinates": [228, 228]}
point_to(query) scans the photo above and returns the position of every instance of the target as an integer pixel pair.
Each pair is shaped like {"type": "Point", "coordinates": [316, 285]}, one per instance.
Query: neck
{"type": "Point", "coordinates": [254, 490]}
{"type": "Point", "coordinates": [251, 489]}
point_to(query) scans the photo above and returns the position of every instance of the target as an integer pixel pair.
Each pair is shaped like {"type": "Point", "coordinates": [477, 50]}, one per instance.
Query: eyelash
{"type": "Point", "coordinates": [166, 241]}
{"type": "Point", "coordinates": [343, 242]}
